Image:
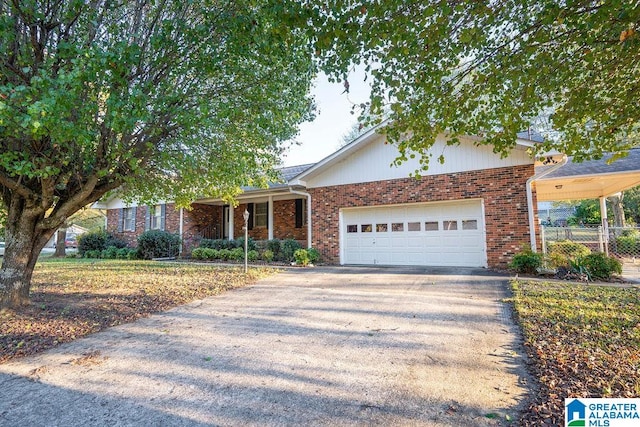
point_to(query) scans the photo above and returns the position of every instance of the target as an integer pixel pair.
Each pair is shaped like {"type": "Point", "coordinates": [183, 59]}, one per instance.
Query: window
{"type": "Point", "coordinates": [352, 228]}
{"type": "Point", "coordinates": [129, 219]}
{"type": "Point", "coordinates": [156, 217]}
{"type": "Point", "coordinates": [301, 212]}
{"type": "Point", "coordinates": [366, 228]}
{"type": "Point", "coordinates": [431, 226]}
{"type": "Point", "coordinates": [413, 226]}
{"type": "Point", "coordinates": [381, 228]}
{"type": "Point", "coordinates": [450, 225]}
{"type": "Point", "coordinates": [469, 224]}
{"type": "Point", "coordinates": [397, 226]}
{"type": "Point", "coordinates": [260, 214]}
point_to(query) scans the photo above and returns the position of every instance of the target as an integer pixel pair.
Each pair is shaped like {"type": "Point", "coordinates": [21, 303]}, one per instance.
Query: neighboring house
{"type": "Point", "coordinates": [73, 232]}
{"type": "Point", "coordinates": [475, 210]}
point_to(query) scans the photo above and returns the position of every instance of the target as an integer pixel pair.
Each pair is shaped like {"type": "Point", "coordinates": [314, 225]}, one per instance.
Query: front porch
{"type": "Point", "coordinates": [271, 216]}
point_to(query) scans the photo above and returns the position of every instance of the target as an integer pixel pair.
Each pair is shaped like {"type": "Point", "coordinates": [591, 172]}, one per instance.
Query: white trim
{"type": "Point", "coordinates": [231, 222]}
{"type": "Point", "coordinates": [309, 228]}
{"type": "Point", "coordinates": [269, 218]}
{"type": "Point", "coordinates": [181, 228]}
{"type": "Point", "coordinates": [532, 221]}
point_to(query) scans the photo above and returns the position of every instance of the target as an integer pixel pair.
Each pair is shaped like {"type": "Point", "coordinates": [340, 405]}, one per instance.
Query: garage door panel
{"type": "Point", "coordinates": [448, 234]}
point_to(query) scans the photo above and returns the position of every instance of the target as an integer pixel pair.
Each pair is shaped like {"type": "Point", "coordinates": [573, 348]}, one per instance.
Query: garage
{"type": "Point", "coordinates": [429, 234]}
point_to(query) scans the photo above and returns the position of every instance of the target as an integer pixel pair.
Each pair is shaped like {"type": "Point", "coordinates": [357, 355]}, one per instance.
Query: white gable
{"type": "Point", "coordinates": [373, 162]}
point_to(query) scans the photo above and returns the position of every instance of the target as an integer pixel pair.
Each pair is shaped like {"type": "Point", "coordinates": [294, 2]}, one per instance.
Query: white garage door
{"type": "Point", "coordinates": [435, 234]}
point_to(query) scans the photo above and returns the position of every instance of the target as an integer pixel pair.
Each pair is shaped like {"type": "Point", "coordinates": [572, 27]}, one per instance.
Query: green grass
{"type": "Point", "coordinates": [583, 340]}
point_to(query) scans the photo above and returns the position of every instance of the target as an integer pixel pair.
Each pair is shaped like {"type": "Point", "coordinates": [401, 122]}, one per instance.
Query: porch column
{"type": "Point", "coordinates": [605, 224]}
{"type": "Point", "coordinates": [181, 231]}
{"type": "Point", "coordinates": [230, 222]}
{"type": "Point", "coordinates": [270, 218]}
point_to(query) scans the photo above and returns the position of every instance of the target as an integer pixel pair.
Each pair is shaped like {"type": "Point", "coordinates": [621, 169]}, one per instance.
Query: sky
{"type": "Point", "coordinates": [323, 136]}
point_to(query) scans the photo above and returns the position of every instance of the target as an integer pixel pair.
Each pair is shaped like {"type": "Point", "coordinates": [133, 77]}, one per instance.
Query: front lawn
{"type": "Point", "coordinates": [582, 340]}
{"type": "Point", "coordinates": [75, 297]}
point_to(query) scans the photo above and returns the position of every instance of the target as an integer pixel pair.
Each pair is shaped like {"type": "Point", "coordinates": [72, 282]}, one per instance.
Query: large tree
{"type": "Point", "coordinates": [159, 98]}
{"type": "Point", "coordinates": [490, 68]}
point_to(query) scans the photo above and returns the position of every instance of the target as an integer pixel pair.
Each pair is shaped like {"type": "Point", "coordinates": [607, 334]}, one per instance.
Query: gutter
{"type": "Point", "coordinates": [532, 227]}
{"type": "Point", "coordinates": [308, 196]}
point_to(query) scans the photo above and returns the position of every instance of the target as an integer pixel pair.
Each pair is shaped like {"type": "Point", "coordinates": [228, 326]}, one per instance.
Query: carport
{"type": "Point", "coordinates": [593, 179]}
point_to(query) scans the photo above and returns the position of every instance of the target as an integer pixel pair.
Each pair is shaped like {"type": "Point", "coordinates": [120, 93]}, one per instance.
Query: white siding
{"type": "Point", "coordinates": [373, 161]}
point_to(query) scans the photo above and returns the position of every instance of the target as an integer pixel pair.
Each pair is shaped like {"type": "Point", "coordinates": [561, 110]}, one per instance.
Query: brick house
{"type": "Point", "coordinates": [477, 209]}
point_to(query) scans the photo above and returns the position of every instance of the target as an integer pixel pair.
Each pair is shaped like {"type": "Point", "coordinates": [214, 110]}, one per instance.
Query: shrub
{"type": "Point", "coordinates": [274, 245]}
{"type": "Point", "coordinates": [133, 254]}
{"type": "Point", "coordinates": [93, 253]}
{"type": "Point", "coordinates": [600, 266]}
{"type": "Point", "coordinates": [526, 261]}
{"type": "Point", "coordinates": [237, 254]}
{"type": "Point", "coordinates": [288, 248]}
{"type": "Point", "coordinates": [114, 241]}
{"type": "Point", "coordinates": [123, 253]}
{"type": "Point", "coordinates": [98, 241]}
{"type": "Point", "coordinates": [224, 254]}
{"type": "Point", "coordinates": [210, 253]}
{"type": "Point", "coordinates": [267, 255]}
{"type": "Point", "coordinates": [158, 244]}
{"type": "Point", "coordinates": [301, 256]}
{"type": "Point", "coordinates": [110, 253]}
{"type": "Point", "coordinates": [251, 244]}
{"type": "Point", "coordinates": [628, 243]}
{"type": "Point", "coordinates": [314, 255]}
{"type": "Point", "coordinates": [218, 244]}
{"type": "Point", "coordinates": [198, 253]}
{"type": "Point", "coordinates": [252, 255]}
{"type": "Point", "coordinates": [94, 241]}
{"type": "Point", "coordinates": [561, 253]}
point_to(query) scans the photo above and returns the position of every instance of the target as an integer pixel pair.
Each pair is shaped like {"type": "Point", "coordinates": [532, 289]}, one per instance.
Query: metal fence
{"type": "Point", "coordinates": [621, 242]}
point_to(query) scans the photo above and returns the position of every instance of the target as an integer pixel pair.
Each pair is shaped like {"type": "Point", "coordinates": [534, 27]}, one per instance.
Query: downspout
{"type": "Point", "coordinates": [308, 196]}
{"type": "Point", "coordinates": [532, 220]}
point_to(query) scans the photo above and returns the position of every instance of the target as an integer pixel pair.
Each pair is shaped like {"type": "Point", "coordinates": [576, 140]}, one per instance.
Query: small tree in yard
{"type": "Point", "coordinates": [168, 100]}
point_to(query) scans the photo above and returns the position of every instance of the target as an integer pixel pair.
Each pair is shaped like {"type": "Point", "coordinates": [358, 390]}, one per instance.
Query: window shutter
{"type": "Point", "coordinates": [163, 215]}
{"type": "Point", "coordinates": [267, 219]}
{"type": "Point", "coordinates": [298, 213]}
{"type": "Point", "coordinates": [147, 219]}
{"type": "Point", "coordinates": [133, 212]}
{"type": "Point", "coordinates": [250, 210]}
{"type": "Point", "coordinates": [120, 220]}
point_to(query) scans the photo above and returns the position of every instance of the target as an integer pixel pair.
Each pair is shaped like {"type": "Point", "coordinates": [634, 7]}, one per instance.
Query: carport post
{"type": "Point", "coordinates": [605, 224]}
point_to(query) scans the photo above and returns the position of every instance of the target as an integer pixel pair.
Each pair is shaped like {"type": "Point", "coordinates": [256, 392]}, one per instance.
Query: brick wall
{"type": "Point", "coordinates": [502, 189]}
{"type": "Point", "coordinates": [171, 224]}
{"type": "Point", "coordinates": [198, 219]}
{"type": "Point", "coordinates": [284, 223]}
{"type": "Point", "coordinates": [202, 217]}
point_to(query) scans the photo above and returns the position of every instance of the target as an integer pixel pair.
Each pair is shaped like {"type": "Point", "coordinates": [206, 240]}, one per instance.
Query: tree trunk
{"type": "Point", "coordinates": [24, 241]}
{"type": "Point", "coordinates": [61, 243]}
{"type": "Point", "coordinates": [619, 219]}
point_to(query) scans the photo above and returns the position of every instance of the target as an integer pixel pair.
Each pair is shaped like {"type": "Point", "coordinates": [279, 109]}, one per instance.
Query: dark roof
{"type": "Point", "coordinates": [286, 173]}
{"type": "Point", "coordinates": [595, 167]}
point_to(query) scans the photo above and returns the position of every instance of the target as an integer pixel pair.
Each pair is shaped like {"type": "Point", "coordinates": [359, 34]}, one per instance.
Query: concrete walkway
{"type": "Point", "coordinates": [323, 346]}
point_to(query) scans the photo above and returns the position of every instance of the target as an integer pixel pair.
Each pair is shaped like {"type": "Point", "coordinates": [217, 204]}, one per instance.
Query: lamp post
{"type": "Point", "coordinates": [245, 215]}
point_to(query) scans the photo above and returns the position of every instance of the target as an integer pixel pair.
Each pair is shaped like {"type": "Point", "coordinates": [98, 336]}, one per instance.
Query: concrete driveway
{"type": "Point", "coordinates": [323, 346]}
